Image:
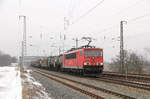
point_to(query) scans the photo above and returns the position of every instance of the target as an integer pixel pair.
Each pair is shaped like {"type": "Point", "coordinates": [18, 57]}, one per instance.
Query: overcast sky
{"type": "Point", "coordinates": [46, 17]}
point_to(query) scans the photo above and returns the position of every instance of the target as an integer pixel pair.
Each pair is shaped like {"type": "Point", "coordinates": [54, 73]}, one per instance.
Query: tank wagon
{"type": "Point", "coordinates": [43, 62]}
{"type": "Point", "coordinates": [83, 60]}
{"type": "Point", "coordinates": [55, 62]}
{"type": "Point", "coordinates": [35, 63]}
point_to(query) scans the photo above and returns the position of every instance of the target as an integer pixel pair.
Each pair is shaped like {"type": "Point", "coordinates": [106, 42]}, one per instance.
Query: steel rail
{"type": "Point", "coordinates": [145, 77]}
{"type": "Point", "coordinates": [71, 86]}
{"type": "Point", "coordinates": [130, 74]}
{"type": "Point", "coordinates": [83, 84]}
{"type": "Point", "coordinates": [123, 82]}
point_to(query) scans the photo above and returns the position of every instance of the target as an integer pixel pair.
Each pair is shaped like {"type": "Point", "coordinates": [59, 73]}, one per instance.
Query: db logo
{"type": "Point", "coordinates": [93, 59]}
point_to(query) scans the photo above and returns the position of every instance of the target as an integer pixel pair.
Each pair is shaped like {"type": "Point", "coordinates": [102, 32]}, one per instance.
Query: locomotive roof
{"type": "Point", "coordinates": [77, 49]}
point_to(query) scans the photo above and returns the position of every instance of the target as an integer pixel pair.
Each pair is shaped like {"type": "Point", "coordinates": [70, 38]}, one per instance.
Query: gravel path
{"type": "Point", "coordinates": [57, 90]}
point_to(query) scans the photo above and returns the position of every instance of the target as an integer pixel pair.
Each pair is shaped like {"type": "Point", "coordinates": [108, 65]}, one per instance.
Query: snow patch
{"type": "Point", "coordinates": [42, 94]}
{"type": "Point", "coordinates": [37, 84]}
{"type": "Point", "coordinates": [10, 83]}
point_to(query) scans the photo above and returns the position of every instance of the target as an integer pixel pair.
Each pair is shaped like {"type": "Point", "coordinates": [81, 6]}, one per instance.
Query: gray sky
{"type": "Point", "coordinates": [47, 17]}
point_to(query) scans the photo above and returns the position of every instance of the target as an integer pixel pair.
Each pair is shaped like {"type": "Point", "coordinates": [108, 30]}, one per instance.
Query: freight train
{"type": "Point", "coordinates": [86, 60]}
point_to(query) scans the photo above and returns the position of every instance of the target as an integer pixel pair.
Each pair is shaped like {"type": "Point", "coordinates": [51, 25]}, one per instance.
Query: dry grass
{"type": "Point", "coordinates": [30, 90]}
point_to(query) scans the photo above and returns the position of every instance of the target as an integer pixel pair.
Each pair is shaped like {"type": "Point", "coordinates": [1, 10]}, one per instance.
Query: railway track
{"type": "Point", "coordinates": [125, 83]}
{"type": "Point", "coordinates": [136, 77]}
{"type": "Point", "coordinates": [129, 74]}
{"type": "Point", "coordinates": [134, 80]}
{"type": "Point", "coordinates": [130, 81]}
{"type": "Point", "coordinates": [87, 89]}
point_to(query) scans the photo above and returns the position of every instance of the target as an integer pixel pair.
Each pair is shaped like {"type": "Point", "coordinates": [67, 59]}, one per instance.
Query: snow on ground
{"type": "Point", "coordinates": [10, 83]}
{"type": "Point", "coordinates": [30, 85]}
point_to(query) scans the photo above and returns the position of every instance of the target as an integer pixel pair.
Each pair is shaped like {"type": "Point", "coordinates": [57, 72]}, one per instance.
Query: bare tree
{"type": "Point", "coordinates": [147, 56]}
{"type": "Point", "coordinates": [6, 59]}
{"type": "Point", "coordinates": [133, 63]}
{"type": "Point", "coordinates": [147, 50]}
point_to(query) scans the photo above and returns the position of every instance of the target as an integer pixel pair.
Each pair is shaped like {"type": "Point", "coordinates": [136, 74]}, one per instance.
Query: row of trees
{"type": "Point", "coordinates": [133, 63]}
{"type": "Point", "coordinates": [6, 59]}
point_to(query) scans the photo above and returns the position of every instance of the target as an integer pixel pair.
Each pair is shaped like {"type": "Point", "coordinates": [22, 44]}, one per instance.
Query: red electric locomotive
{"type": "Point", "coordinates": [85, 60]}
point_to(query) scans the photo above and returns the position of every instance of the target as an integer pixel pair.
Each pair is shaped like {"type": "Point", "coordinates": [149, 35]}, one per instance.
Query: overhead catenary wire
{"type": "Point", "coordinates": [128, 20]}
{"type": "Point", "coordinates": [90, 10]}
{"type": "Point", "coordinates": [111, 27]}
{"type": "Point", "coordinates": [139, 17]}
{"type": "Point", "coordinates": [86, 13]}
{"type": "Point", "coordinates": [72, 9]}
{"type": "Point", "coordinates": [129, 7]}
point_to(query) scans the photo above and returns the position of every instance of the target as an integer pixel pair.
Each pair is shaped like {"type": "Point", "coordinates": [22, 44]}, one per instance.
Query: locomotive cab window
{"type": "Point", "coordinates": [71, 56]}
{"type": "Point", "coordinates": [80, 53]}
{"type": "Point", "coordinates": [92, 53]}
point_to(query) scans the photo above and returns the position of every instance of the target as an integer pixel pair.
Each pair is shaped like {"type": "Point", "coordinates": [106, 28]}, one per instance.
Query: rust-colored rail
{"type": "Point", "coordinates": [131, 81]}
{"type": "Point", "coordinates": [73, 87]}
{"type": "Point", "coordinates": [83, 84]}
{"type": "Point", "coordinates": [142, 77]}
{"type": "Point", "coordinates": [133, 74]}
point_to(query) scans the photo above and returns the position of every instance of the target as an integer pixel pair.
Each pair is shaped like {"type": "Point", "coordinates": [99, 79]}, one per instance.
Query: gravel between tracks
{"type": "Point", "coordinates": [137, 93]}
{"type": "Point", "coordinates": [57, 90]}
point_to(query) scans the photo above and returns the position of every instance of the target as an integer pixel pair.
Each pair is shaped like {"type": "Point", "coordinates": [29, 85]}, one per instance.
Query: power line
{"type": "Point", "coordinates": [131, 6]}
{"type": "Point", "coordinates": [139, 17]}
{"type": "Point", "coordinates": [130, 20]}
{"type": "Point", "coordinates": [72, 9]}
{"type": "Point", "coordinates": [89, 11]}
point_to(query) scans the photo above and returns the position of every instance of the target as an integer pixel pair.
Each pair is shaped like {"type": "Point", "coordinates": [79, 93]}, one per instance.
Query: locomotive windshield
{"type": "Point", "coordinates": [92, 53]}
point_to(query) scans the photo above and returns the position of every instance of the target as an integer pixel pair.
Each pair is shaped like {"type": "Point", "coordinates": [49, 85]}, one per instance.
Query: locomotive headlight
{"type": "Point", "coordinates": [101, 64]}
{"type": "Point", "coordinates": [98, 63]}
{"type": "Point", "coordinates": [86, 63]}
